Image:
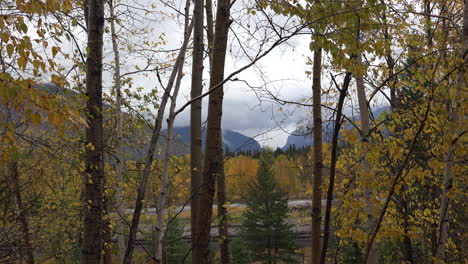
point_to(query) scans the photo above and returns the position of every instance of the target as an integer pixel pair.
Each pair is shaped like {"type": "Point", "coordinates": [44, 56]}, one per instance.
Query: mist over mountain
{"type": "Point", "coordinates": [302, 135]}
{"type": "Point", "coordinates": [232, 141]}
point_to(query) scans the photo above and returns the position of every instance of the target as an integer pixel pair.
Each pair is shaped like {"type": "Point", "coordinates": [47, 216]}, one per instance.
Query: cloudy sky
{"type": "Point", "coordinates": [247, 107]}
{"type": "Point", "coordinates": [282, 72]}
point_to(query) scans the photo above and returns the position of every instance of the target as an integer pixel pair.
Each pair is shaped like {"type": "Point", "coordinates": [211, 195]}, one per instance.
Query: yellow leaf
{"type": "Point", "coordinates": [36, 119]}
{"type": "Point", "coordinates": [55, 50]}
{"type": "Point", "coordinates": [90, 146]}
{"type": "Point", "coordinates": [22, 62]}
{"type": "Point", "coordinates": [51, 117]}
{"type": "Point", "coordinates": [5, 37]}
{"type": "Point", "coordinates": [10, 49]}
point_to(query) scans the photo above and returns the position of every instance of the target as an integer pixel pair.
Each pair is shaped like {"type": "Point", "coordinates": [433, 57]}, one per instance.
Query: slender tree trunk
{"type": "Point", "coordinates": [365, 141]}
{"type": "Point", "coordinates": [22, 215]}
{"type": "Point", "coordinates": [120, 162]}
{"type": "Point", "coordinates": [209, 29]}
{"type": "Point", "coordinates": [269, 252]}
{"type": "Point", "coordinates": [453, 118]}
{"type": "Point", "coordinates": [428, 22]}
{"type": "Point", "coordinates": [86, 13]}
{"type": "Point", "coordinates": [107, 233]}
{"type": "Point", "coordinates": [214, 158]}
{"type": "Point", "coordinates": [406, 239]}
{"type": "Point", "coordinates": [149, 161]}
{"type": "Point", "coordinates": [434, 233]}
{"type": "Point", "coordinates": [365, 165]}
{"type": "Point", "coordinates": [195, 127]}
{"type": "Point", "coordinates": [390, 60]}
{"type": "Point", "coordinates": [333, 160]}
{"type": "Point", "coordinates": [442, 233]}
{"type": "Point", "coordinates": [94, 172]}
{"type": "Point", "coordinates": [223, 218]}
{"type": "Point", "coordinates": [394, 104]}
{"type": "Point", "coordinates": [318, 162]}
{"type": "Point", "coordinates": [161, 227]}
{"type": "Point", "coordinates": [106, 229]}
{"type": "Point", "coordinates": [221, 179]}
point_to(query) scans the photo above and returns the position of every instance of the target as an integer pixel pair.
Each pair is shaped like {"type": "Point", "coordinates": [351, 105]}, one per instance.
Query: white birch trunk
{"type": "Point", "coordinates": [120, 162]}
{"type": "Point", "coordinates": [365, 165]}
{"type": "Point", "coordinates": [453, 118]}
{"type": "Point", "coordinates": [161, 226]}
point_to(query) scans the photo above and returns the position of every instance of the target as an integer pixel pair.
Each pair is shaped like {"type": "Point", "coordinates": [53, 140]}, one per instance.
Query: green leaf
{"type": "Point", "coordinates": [24, 28]}
{"type": "Point", "coordinates": [10, 49]}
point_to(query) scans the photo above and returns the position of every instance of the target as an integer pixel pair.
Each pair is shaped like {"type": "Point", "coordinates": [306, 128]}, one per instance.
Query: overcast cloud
{"type": "Point", "coordinates": [247, 107]}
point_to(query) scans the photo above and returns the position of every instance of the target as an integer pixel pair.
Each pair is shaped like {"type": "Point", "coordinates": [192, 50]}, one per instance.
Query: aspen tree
{"type": "Point", "coordinates": [94, 173]}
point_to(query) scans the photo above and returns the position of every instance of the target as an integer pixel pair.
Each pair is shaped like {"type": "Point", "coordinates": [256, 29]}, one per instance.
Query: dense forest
{"type": "Point", "coordinates": [95, 168]}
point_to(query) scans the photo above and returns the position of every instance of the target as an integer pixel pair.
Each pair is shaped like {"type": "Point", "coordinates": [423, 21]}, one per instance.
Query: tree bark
{"type": "Point", "coordinates": [149, 161]}
{"type": "Point", "coordinates": [22, 215]}
{"type": "Point", "coordinates": [318, 162]}
{"type": "Point", "coordinates": [453, 118]}
{"type": "Point", "coordinates": [333, 160]}
{"type": "Point", "coordinates": [223, 218]}
{"type": "Point", "coordinates": [389, 59]}
{"type": "Point", "coordinates": [120, 162]}
{"type": "Point", "coordinates": [209, 29]}
{"type": "Point", "coordinates": [365, 165]}
{"type": "Point", "coordinates": [195, 127]}
{"type": "Point", "coordinates": [161, 227]}
{"type": "Point", "coordinates": [107, 233]}
{"type": "Point", "coordinates": [406, 228]}
{"type": "Point", "coordinates": [214, 158]}
{"type": "Point", "coordinates": [217, 50]}
{"type": "Point", "coordinates": [94, 172]}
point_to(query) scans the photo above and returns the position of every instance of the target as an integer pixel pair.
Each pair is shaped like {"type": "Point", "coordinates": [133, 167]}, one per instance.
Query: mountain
{"type": "Point", "coordinates": [138, 147]}
{"type": "Point", "coordinates": [235, 142]}
{"type": "Point", "coordinates": [232, 141]}
{"type": "Point", "coordinates": [302, 135]}
{"type": "Point", "coordinates": [298, 140]}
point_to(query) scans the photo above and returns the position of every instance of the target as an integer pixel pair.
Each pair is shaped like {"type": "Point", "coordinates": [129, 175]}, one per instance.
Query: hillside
{"type": "Point", "coordinates": [302, 136]}
{"type": "Point", "coordinates": [232, 141]}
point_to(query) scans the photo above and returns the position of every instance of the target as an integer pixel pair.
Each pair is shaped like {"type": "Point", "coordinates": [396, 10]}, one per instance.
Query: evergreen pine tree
{"type": "Point", "coordinates": [176, 247]}
{"type": "Point", "coordinates": [264, 227]}
{"type": "Point", "coordinates": [240, 252]}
